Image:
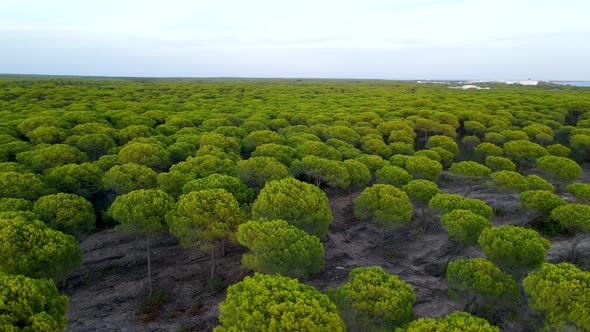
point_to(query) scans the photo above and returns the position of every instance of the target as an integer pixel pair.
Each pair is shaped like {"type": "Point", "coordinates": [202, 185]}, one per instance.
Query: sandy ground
{"type": "Point", "coordinates": [106, 293]}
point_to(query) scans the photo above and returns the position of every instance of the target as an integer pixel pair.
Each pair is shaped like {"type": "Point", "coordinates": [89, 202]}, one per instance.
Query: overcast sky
{"type": "Point", "coordinates": [392, 39]}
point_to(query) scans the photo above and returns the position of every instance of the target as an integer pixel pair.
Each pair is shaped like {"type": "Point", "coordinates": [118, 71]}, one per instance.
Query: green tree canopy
{"type": "Point", "coordinates": [125, 178]}
{"type": "Point", "coordinates": [562, 168]}
{"type": "Point", "coordinates": [81, 179]}
{"type": "Point", "coordinates": [580, 190]}
{"type": "Point", "coordinates": [276, 303]}
{"type": "Point", "coordinates": [384, 204]}
{"type": "Point", "coordinates": [524, 153]}
{"type": "Point", "coordinates": [573, 216]}
{"type": "Point", "coordinates": [513, 248]}
{"type": "Point", "coordinates": [142, 212]}
{"type": "Point", "coordinates": [393, 175]}
{"type": "Point", "coordinates": [51, 156]}
{"type": "Point", "coordinates": [446, 203]}
{"type": "Point", "coordinates": [15, 204]}
{"type": "Point", "coordinates": [233, 185]}
{"type": "Point", "coordinates": [444, 142]}
{"type": "Point", "coordinates": [509, 180]}
{"type": "Point", "coordinates": [457, 321]}
{"type": "Point", "coordinates": [561, 292]}
{"type": "Point", "coordinates": [203, 218]}
{"type": "Point", "coordinates": [257, 171]}
{"type": "Point", "coordinates": [283, 249]}
{"type": "Point", "coordinates": [496, 163]}
{"type": "Point", "coordinates": [300, 204]}
{"type": "Point", "coordinates": [423, 167]}
{"type": "Point", "coordinates": [282, 153]}
{"type": "Point", "coordinates": [478, 282]}
{"type": "Point", "coordinates": [31, 305]}
{"type": "Point", "coordinates": [373, 299]}
{"type": "Point", "coordinates": [32, 249]}
{"type": "Point", "coordinates": [150, 155]}
{"type": "Point", "coordinates": [421, 191]}
{"type": "Point", "coordinates": [68, 213]}
{"type": "Point", "coordinates": [21, 185]}
{"type": "Point", "coordinates": [322, 171]}
{"type": "Point", "coordinates": [464, 225]}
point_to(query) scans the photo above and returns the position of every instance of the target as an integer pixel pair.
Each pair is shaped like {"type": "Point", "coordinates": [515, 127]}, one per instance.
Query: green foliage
{"type": "Point", "coordinates": [15, 204]}
{"type": "Point", "coordinates": [524, 153]}
{"type": "Point", "coordinates": [373, 299]}
{"type": "Point", "coordinates": [446, 203]}
{"type": "Point", "coordinates": [359, 173]}
{"type": "Point", "coordinates": [202, 166]}
{"type": "Point", "coordinates": [372, 162]}
{"type": "Point", "coordinates": [275, 303]}
{"type": "Point", "coordinates": [399, 160]}
{"type": "Point", "coordinates": [68, 213]}
{"type": "Point", "coordinates": [444, 142]}
{"type": "Point", "coordinates": [487, 149]}
{"type": "Point", "coordinates": [129, 177]}
{"type": "Point", "coordinates": [393, 175]}
{"type": "Point", "coordinates": [542, 201]}
{"type": "Point", "coordinates": [385, 204]}
{"type": "Point", "coordinates": [573, 216]}
{"type": "Point", "coordinates": [318, 149]}
{"type": "Point", "coordinates": [278, 247]}
{"type": "Point", "coordinates": [142, 211]}
{"type": "Point", "coordinates": [513, 248]}
{"type": "Point", "coordinates": [538, 183]}
{"type": "Point", "coordinates": [561, 292]}
{"type": "Point", "coordinates": [34, 250]}
{"type": "Point", "coordinates": [496, 163]}
{"type": "Point", "coordinates": [559, 150]}
{"type": "Point", "coordinates": [423, 167]}
{"type": "Point", "coordinates": [470, 170]}
{"type": "Point", "coordinates": [457, 321]}
{"type": "Point", "coordinates": [233, 185]}
{"type": "Point", "coordinates": [464, 225]}
{"type": "Point", "coordinates": [51, 156]}
{"type": "Point", "coordinates": [479, 283]}
{"type": "Point", "coordinates": [31, 305]}
{"type": "Point", "coordinates": [201, 218]}
{"type": "Point", "coordinates": [149, 155]}
{"type": "Point", "coordinates": [509, 180]}
{"type": "Point", "coordinates": [301, 204]}
{"type": "Point", "coordinates": [94, 145]}
{"type": "Point", "coordinates": [562, 168]}
{"type": "Point", "coordinates": [322, 171]}
{"type": "Point", "coordinates": [260, 137]}
{"type": "Point", "coordinates": [257, 171]}
{"type": "Point", "coordinates": [580, 190]}
{"type": "Point", "coordinates": [421, 190]}
{"type": "Point", "coordinates": [21, 185]}
{"type": "Point", "coordinates": [81, 179]}
{"type": "Point", "coordinates": [282, 153]}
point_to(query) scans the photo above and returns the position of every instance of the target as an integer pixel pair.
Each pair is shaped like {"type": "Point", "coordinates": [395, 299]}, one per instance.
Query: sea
{"type": "Point", "coordinates": [575, 83]}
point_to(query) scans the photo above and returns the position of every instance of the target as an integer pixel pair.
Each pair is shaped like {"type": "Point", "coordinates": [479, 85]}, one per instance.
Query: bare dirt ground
{"type": "Point", "coordinates": [106, 293]}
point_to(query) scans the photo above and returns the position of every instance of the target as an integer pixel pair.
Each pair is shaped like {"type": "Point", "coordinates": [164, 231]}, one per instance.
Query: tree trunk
{"type": "Point", "coordinates": [149, 266]}
{"type": "Point", "coordinates": [223, 247]}
{"type": "Point", "coordinates": [213, 262]}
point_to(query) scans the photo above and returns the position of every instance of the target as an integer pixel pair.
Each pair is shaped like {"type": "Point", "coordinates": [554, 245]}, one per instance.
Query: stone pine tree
{"type": "Point", "coordinates": [30, 248]}
{"type": "Point", "coordinates": [374, 299]}
{"type": "Point", "coordinates": [31, 305]}
{"type": "Point", "coordinates": [267, 302]}
{"type": "Point", "coordinates": [142, 212]}
{"type": "Point", "coordinates": [201, 219]}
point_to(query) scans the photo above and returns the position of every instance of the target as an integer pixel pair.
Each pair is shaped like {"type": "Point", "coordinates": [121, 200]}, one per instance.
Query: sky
{"type": "Point", "coordinates": [394, 39]}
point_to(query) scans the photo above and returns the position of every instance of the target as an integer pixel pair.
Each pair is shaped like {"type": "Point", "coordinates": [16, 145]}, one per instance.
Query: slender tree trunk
{"type": "Point", "coordinates": [223, 247]}
{"type": "Point", "coordinates": [213, 262]}
{"type": "Point", "coordinates": [149, 266]}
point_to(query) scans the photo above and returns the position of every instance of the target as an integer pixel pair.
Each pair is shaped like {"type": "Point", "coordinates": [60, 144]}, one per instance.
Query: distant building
{"type": "Point", "coordinates": [528, 82]}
